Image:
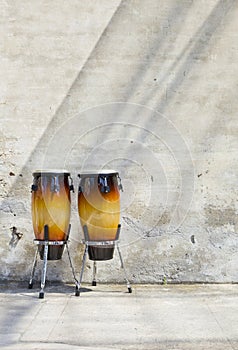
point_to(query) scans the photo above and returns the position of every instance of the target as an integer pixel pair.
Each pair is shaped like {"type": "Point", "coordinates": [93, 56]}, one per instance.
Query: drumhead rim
{"type": "Point", "coordinates": [51, 171]}
{"type": "Point", "coordinates": [98, 172]}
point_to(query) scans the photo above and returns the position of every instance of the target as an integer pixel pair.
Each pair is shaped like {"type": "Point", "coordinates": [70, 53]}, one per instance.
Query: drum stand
{"type": "Point", "coordinates": [101, 244]}
{"type": "Point", "coordinates": [46, 243]}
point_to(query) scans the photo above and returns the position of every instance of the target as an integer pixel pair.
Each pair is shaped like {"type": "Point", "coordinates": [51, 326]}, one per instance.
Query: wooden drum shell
{"type": "Point", "coordinates": [51, 206]}
{"type": "Point", "coordinates": [99, 209]}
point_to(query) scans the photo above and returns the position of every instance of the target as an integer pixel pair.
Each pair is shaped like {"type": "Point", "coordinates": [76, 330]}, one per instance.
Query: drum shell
{"type": "Point", "coordinates": [98, 210]}
{"type": "Point", "coordinates": [55, 252]}
{"type": "Point", "coordinates": [96, 253]}
{"type": "Point", "coordinates": [51, 205]}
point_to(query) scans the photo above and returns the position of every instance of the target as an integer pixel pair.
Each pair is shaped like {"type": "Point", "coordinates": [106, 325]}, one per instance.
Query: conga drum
{"type": "Point", "coordinates": [99, 210]}
{"type": "Point", "coordinates": [51, 206]}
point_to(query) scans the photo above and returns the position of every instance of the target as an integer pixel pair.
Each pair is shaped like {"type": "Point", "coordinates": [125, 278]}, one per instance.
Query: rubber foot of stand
{"type": "Point", "coordinates": [94, 283]}
{"type": "Point", "coordinates": [30, 285]}
{"type": "Point", "coordinates": [77, 292]}
{"type": "Point", "coordinates": [129, 290]}
{"type": "Point", "coordinates": [41, 295]}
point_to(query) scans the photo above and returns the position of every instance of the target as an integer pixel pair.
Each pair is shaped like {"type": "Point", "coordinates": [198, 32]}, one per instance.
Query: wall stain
{"type": "Point", "coordinates": [217, 217]}
{"type": "Point", "coordinates": [164, 219]}
{"type": "Point", "coordinates": [16, 236]}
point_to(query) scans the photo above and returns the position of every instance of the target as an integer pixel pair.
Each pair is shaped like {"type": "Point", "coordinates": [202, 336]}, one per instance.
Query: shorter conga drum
{"type": "Point", "coordinates": [99, 210]}
{"type": "Point", "coordinates": [51, 206]}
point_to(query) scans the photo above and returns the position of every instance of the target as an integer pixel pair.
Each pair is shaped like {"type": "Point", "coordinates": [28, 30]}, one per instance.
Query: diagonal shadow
{"type": "Point", "coordinates": [177, 13]}
{"type": "Point", "coordinates": [58, 116]}
{"type": "Point", "coordinates": [23, 180]}
{"type": "Point", "coordinates": [195, 50]}
{"type": "Point", "coordinates": [64, 111]}
{"type": "Point", "coordinates": [189, 57]}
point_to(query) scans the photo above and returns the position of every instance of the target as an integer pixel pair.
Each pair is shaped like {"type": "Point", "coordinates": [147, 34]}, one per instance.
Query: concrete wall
{"type": "Point", "coordinates": [146, 87]}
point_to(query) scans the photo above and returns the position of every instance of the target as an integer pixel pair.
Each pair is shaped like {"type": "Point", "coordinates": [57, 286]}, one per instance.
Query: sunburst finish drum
{"type": "Point", "coordinates": [51, 206]}
{"type": "Point", "coordinates": [99, 210]}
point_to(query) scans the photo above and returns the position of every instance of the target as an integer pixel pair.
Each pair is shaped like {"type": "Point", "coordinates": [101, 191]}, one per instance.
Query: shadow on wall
{"type": "Point", "coordinates": [146, 148]}
{"type": "Point", "coordinates": [156, 43]}
{"type": "Point", "coordinates": [149, 152]}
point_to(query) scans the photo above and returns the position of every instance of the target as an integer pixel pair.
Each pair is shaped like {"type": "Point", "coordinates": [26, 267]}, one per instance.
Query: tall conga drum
{"type": "Point", "coordinates": [99, 210]}
{"type": "Point", "coordinates": [51, 206]}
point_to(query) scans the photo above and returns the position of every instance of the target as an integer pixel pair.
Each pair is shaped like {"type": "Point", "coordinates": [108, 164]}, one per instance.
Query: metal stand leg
{"type": "Point", "coordinates": [123, 267]}
{"type": "Point", "coordinates": [43, 272]}
{"type": "Point", "coordinates": [77, 293]}
{"type": "Point", "coordinates": [104, 244]}
{"type": "Point", "coordinates": [30, 285]}
{"type": "Point", "coordinates": [94, 282]}
{"type": "Point", "coordinates": [72, 268]}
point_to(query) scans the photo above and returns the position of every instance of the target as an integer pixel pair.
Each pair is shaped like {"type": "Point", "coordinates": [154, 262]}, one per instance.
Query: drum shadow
{"type": "Point", "coordinates": [107, 291]}
{"type": "Point", "coordinates": [55, 287]}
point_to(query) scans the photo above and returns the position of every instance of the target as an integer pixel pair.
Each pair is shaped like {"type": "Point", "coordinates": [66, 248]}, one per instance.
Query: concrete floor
{"type": "Point", "coordinates": [107, 317]}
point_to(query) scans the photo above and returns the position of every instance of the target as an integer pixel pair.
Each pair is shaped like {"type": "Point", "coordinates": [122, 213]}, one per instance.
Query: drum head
{"type": "Point", "coordinates": [95, 173]}
{"type": "Point", "coordinates": [51, 172]}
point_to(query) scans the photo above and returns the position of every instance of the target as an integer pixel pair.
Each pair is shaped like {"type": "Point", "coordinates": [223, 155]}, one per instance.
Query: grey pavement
{"type": "Point", "coordinates": [108, 317]}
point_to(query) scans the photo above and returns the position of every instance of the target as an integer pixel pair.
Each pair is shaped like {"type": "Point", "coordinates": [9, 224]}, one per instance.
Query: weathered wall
{"type": "Point", "coordinates": [145, 87]}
